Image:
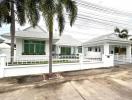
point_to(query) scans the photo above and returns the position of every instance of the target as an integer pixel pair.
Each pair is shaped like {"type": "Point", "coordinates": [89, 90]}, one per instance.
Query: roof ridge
{"type": "Point", "coordinates": [34, 28]}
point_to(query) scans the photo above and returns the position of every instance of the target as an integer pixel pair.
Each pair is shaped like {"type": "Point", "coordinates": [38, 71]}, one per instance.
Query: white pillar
{"type": "Point", "coordinates": [83, 51]}
{"type": "Point", "coordinates": [76, 50]}
{"type": "Point", "coordinates": [72, 50]}
{"type": "Point", "coordinates": [81, 60]}
{"type": "Point", "coordinates": [2, 64]}
{"type": "Point", "coordinates": [2, 60]}
{"type": "Point", "coordinates": [106, 49]}
{"type": "Point", "coordinates": [108, 59]}
{"type": "Point", "coordinates": [128, 53]}
{"type": "Point", "coordinates": [58, 49]}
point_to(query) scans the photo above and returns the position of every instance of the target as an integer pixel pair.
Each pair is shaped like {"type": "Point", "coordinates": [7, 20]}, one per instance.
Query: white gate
{"type": "Point", "coordinates": [122, 59]}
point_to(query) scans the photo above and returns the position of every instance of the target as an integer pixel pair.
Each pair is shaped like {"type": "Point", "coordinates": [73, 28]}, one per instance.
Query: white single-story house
{"type": "Point", "coordinates": [34, 43]}
{"type": "Point", "coordinates": [4, 46]}
{"type": "Point", "coordinates": [107, 44]}
{"type": "Point", "coordinates": [5, 49]}
{"type": "Point", "coordinates": [67, 45]}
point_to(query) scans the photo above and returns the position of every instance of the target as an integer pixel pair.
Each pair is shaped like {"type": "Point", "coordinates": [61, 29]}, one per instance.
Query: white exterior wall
{"type": "Point", "coordinates": [6, 52]}
{"type": "Point", "coordinates": [129, 52]}
{"type": "Point", "coordinates": [19, 50]}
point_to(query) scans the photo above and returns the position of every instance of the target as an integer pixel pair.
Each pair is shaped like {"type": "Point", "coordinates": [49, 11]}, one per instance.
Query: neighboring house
{"type": "Point", "coordinates": [67, 45]}
{"type": "Point", "coordinates": [107, 44]}
{"type": "Point", "coordinates": [33, 43]}
{"type": "Point", "coordinates": [4, 46]}
{"type": "Point", "coordinates": [5, 49]}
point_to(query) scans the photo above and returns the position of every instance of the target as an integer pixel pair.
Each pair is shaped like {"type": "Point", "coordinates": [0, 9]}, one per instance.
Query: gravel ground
{"type": "Point", "coordinates": [96, 84]}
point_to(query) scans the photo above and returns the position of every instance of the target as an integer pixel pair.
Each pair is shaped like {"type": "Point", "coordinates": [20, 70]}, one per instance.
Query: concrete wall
{"type": "Point", "coordinates": [8, 71]}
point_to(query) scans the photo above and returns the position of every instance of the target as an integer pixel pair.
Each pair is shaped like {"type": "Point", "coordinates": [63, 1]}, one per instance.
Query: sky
{"type": "Point", "coordinates": [122, 5]}
{"type": "Point", "coordinates": [85, 27]}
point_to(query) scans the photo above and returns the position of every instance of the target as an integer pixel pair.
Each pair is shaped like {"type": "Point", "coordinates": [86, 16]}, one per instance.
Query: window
{"type": "Point", "coordinates": [96, 49]}
{"type": "Point", "coordinates": [89, 49]}
{"type": "Point", "coordinates": [99, 50]}
{"type": "Point", "coordinates": [65, 50]}
{"type": "Point", "coordinates": [80, 49]}
{"type": "Point", "coordinates": [33, 47]}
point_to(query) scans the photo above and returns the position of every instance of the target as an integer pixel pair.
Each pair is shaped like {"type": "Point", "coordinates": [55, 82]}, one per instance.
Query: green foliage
{"type": "Point", "coordinates": [121, 33]}
{"type": "Point", "coordinates": [52, 8]}
{"type": "Point", "coordinates": [25, 9]}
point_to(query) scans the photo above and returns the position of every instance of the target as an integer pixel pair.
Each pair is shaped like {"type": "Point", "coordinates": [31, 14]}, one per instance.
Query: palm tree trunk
{"type": "Point", "coordinates": [12, 31]}
{"type": "Point", "coordinates": [50, 51]}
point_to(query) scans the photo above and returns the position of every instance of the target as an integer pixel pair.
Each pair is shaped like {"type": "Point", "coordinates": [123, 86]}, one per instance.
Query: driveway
{"type": "Point", "coordinates": [111, 84]}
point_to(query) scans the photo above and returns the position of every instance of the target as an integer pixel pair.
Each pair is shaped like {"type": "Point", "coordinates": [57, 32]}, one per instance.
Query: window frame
{"type": "Point", "coordinates": [36, 47]}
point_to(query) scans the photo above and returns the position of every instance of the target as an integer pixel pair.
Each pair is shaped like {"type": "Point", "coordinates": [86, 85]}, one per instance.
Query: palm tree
{"type": "Point", "coordinates": [121, 33]}
{"type": "Point", "coordinates": [55, 8]}
{"type": "Point", "coordinates": [24, 9]}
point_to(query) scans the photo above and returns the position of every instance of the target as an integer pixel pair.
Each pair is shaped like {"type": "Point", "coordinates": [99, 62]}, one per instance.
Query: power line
{"type": "Point", "coordinates": [101, 8]}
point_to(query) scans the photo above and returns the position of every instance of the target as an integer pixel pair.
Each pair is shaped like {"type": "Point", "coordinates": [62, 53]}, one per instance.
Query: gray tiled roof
{"type": "Point", "coordinates": [109, 37]}
{"type": "Point", "coordinates": [31, 32]}
{"type": "Point", "coordinates": [67, 40]}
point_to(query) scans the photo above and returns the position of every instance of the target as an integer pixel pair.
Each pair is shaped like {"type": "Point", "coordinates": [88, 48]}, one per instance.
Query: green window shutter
{"type": "Point", "coordinates": [37, 48]}
{"type": "Point", "coordinates": [65, 50]}
{"type": "Point", "coordinates": [33, 47]}
{"type": "Point", "coordinates": [26, 48]}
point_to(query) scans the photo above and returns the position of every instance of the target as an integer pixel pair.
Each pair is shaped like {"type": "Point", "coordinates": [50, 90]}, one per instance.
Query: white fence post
{"type": "Point", "coordinates": [2, 64]}
{"type": "Point", "coordinates": [108, 60]}
{"type": "Point", "coordinates": [81, 60]}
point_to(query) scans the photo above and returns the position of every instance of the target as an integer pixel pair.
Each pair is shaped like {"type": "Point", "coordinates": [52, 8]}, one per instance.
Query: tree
{"type": "Point", "coordinates": [24, 9]}
{"type": "Point", "coordinates": [121, 33]}
{"type": "Point", "coordinates": [55, 8]}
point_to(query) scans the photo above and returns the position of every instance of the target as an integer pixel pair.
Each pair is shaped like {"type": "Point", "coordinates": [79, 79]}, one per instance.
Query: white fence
{"type": "Point", "coordinates": [80, 64]}
{"type": "Point", "coordinates": [122, 59]}
{"type": "Point", "coordinates": [44, 60]}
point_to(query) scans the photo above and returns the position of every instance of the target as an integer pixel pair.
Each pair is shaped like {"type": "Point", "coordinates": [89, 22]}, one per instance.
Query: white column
{"type": "Point", "coordinates": [76, 50]}
{"type": "Point", "coordinates": [58, 51]}
{"type": "Point", "coordinates": [108, 59]}
{"type": "Point", "coordinates": [2, 64]}
{"type": "Point", "coordinates": [128, 52]}
{"type": "Point", "coordinates": [83, 51]}
{"type": "Point", "coordinates": [72, 50]}
{"type": "Point", "coordinates": [106, 49]}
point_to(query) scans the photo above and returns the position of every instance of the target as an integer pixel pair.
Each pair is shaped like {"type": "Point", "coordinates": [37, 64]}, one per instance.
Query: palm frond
{"type": "Point", "coordinates": [20, 7]}
{"type": "Point", "coordinates": [124, 31]}
{"type": "Point", "coordinates": [71, 9]}
{"type": "Point", "coordinates": [60, 17]}
{"type": "Point", "coordinates": [5, 13]}
{"type": "Point", "coordinates": [32, 11]}
{"type": "Point", "coordinates": [117, 30]}
{"type": "Point", "coordinates": [48, 10]}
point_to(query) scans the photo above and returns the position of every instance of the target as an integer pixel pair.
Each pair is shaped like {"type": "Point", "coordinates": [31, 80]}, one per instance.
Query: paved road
{"type": "Point", "coordinates": [109, 86]}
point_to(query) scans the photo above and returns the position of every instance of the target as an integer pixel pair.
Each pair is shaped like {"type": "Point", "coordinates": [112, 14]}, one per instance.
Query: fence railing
{"type": "Point", "coordinates": [44, 60]}
{"type": "Point", "coordinates": [122, 59]}
{"type": "Point", "coordinates": [56, 59]}
{"type": "Point", "coordinates": [74, 63]}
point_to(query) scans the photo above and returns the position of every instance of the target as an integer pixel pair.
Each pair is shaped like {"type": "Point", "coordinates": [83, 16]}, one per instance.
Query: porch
{"type": "Point", "coordinates": [109, 44]}
{"type": "Point", "coordinates": [122, 53]}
